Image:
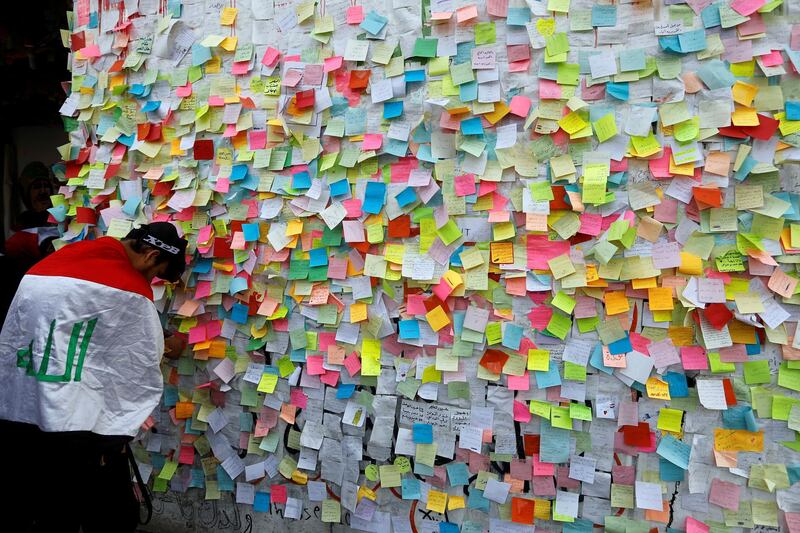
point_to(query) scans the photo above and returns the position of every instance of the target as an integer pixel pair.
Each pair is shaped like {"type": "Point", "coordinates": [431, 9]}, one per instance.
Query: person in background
{"type": "Point", "coordinates": [33, 234]}
{"type": "Point", "coordinates": [80, 354]}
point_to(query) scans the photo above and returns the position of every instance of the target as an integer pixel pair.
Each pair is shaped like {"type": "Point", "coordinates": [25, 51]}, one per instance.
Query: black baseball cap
{"type": "Point", "coordinates": [164, 237]}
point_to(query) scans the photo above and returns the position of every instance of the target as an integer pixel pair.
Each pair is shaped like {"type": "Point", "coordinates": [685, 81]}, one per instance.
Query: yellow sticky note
{"type": "Point", "coordinates": [267, 383]}
{"type": "Point", "coordinates": [437, 318]}
{"type": "Point", "coordinates": [605, 128]}
{"type": "Point", "coordinates": [572, 123]}
{"type": "Point", "coordinates": [455, 502]}
{"type": "Point", "coordinates": [690, 264]}
{"type": "Point", "coordinates": [228, 16]}
{"type": "Point", "coordinates": [657, 389]}
{"type": "Point", "coordinates": [539, 360]}
{"type": "Point", "coordinates": [437, 501]}
{"type": "Point", "coordinates": [358, 312]}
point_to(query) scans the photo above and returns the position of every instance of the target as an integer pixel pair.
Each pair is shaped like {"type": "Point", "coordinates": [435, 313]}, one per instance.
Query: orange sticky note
{"type": "Point", "coordinates": [738, 440]}
{"type": "Point", "coordinates": [184, 410]}
{"type": "Point", "coordinates": [660, 299]}
{"type": "Point", "coordinates": [616, 302]}
{"type": "Point", "coordinates": [228, 16]}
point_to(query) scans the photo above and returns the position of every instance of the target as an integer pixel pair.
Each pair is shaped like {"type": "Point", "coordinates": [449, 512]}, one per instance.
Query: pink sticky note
{"type": "Point", "coordinates": [466, 13]}
{"type": "Point", "coordinates": [330, 378]}
{"type": "Point", "coordinates": [695, 526]}
{"type": "Point", "coordinates": [298, 398]}
{"type": "Point", "coordinates": [213, 329]}
{"type": "Point", "coordinates": [293, 77]}
{"type": "Point", "coordinates": [277, 494]}
{"type": "Point", "coordinates": [332, 63]}
{"type": "Point", "coordinates": [352, 363]}
{"type": "Point", "coordinates": [519, 66]}
{"type": "Point", "coordinates": [591, 224]}
{"type": "Point", "coordinates": [521, 412]}
{"type": "Point", "coordinates": [184, 90]}
{"type": "Point", "coordinates": [372, 141]}
{"type": "Point", "coordinates": [549, 89]}
{"type": "Point", "coordinates": [222, 185]}
{"type": "Point", "coordinates": [694, 358]}
{"type": "Point", "coordinates": [747, 7]}
{"type": "Point", "coordinates": [520, 106]}
{"type": "Point", "coordinates": [542, 469]}
{"type": "Point", "coordinates": [271, 57]}
{"type": "Point", "coordinates": [794, 39]}
{"type": "Point", "coordinates": [314, 365]}
{"type": "Point", "coordinates": [414, 305]}
{"type": "Point", "coordinates": [197, 334]}
{"type": "Point", "coordinates": [93, 50]}
{"type": "Point", "coordinates": [724, 494]}
{"type": "Point", "coordinates": [773, 59]}
{"type": "Point", "coordinates": [464, 185]}
{"type": "Point", "coordinates": [355, 14]}
{"type": "Point", "coordinates": [623, 475]}
{"type": "Point", "coordinates": [522, 382]}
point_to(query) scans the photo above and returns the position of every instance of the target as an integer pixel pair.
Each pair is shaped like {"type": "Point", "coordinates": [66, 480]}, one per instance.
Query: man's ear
{"type": "Point", "coordinates": [151, 256]}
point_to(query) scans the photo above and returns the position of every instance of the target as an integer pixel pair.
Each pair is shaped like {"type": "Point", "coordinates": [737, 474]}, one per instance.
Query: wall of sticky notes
{"type": "Point", "coordinates": [459, 266]}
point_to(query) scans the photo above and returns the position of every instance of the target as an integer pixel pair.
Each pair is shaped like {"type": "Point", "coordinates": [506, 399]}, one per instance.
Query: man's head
{"type": "Point", "coordinates": [156, 250]}
{"type": "Point", "coordinates": [36, 187]}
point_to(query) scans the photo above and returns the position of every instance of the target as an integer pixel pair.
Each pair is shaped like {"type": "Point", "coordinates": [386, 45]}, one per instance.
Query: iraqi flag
{"type": "Point", "coordinates": [81, 346]}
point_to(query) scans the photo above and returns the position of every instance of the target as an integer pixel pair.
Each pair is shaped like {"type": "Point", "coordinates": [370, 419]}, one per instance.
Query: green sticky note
{"type": "Point", "coordinates": [541, 191]}
{"type": "Point", "coordinates": [718, 366]}
{"type": "Point", "coordinates": [425, 47]}
{"type": "Point", "coordinates": [564, 301]}
{"type": "Point", "coordinates": [461, 73]}
{"type": "Point", "coordinates": [574, 372]}
{"type": "Point", "coordinates": [540, 408]}
{"type": "Point", "coordinates": [559, 325]}
{"type": "Point", "coordinates": [449, 232]}
{"type": "Point", "coordinates": [494, 335]}
{"type": "Point", "coordinates": [568, 73]}
{"type": "Point", "coordinates": [606, 127]}
{"type": "Point", "coordinates": [579, 411]}
{"type": "Point", "coordinates": [558, 43]}
{"type": "Point", "coordinates": [559, 417]}
{"type": "Point", "coordinates": [756, 372]}
{"type": "Point", "coordinates": [485, 33]}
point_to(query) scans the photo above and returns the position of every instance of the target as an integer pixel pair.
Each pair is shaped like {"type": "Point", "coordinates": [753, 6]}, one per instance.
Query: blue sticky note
{"type": "Point", "coordinates": [251, 232]}
{"type": "Point", "coordinates": [692, 41]}
{"type": "Point", "coordinates": [744, 170]}
{"type": "Point", "coordinates": [410, 488]}
{"type": "Point", "coordinates": [448, 527]}
{"type": "Point", "coordinates": [678, 387]}
{"type": "Point", "coordinates": [472, 126]}
{"type": "Point", "coordinates": [670, 472]}
{"type": "Point", "coordinates": [373, 23]}
{"type": "Point", "coordinates": [674, 451]}
{"type": "Point", "coordinates": [340, 187]}
{"type": "Point", "coordinates": [301, 180]}
{"type": "Point", "coordinates": [423, 433]}
{"type": "Point", "coordinates": [792, 110]}
{"type": "Point", "coordinates": [630, 60]}
{"type": "Point", "coordinates": [422, 470]}
{"type": "Point", "coordinates": [395, 147]}
{"type": "Point", "coordinates": [794, 473]}
{"type": "Point", "coordinates": [549, 378]}
{"type": "Point", "coordinates": [739, 417]}
{"type": "Point", "coordinates": [414, 75]}
{"type": "Point", "coordinates": [238, 172]}
{"type": "Point", "coordinates": [475, 500]}
{"type": "Point", "coordinates": [407, 196]}
{"type": "Point", "coordinates": [224, 481]}
{"type": "Point", "coordinates": [239, 313]}
{"type": "Point", "coordinates": [755, 349]}
{"type": "Point", "coordinates": [151, 105]}
{"type": "Point", "coordinates": [710, 16]}
{"type": "Point", "coordinates": [198, 479]}
{"type": "Point", "coordinates": [518, 16]}
{"type": "Point", "coordinates": [468, 92]}
{"type": "Point", "coordinates": [130, 207]}
{"type": "Point", "coordinates": [621, 346]}
{"type": "Point", "coordinates": [237, 285]}
{"type": "Point", "coordinates": [715, 74]}
{"type": "Point", "coordinates": [669, 43]}
{"type": "Point", "coordinates": [261, 502]}
{"type": "Point", "coordinates": [458, 474]}
{"type": "Point", "coordinates": [424, 153]}
{"type": "Point", "coordinates": [318, 257]}
{"type": "Point", "coordinates": [202, 266]}
{"type": "Point", "coordinates": [604, 16]}
{"type": "Point", "coordinates": [409, 329]}
{"type": "Point", "coordinates": [374, 197]}
{"type": "Point", "coordinates": [620, 90]}
{"type": "Point", "coordinates": [345, 391]}
{"type": "Point", "coordinates": [200, 54]}
{"type": "Point", "coordinates": [392, 109]}
{"type": "Point", "coordinates": [171, 396]}
{"type": "Point", "coordinates": [512, 336]}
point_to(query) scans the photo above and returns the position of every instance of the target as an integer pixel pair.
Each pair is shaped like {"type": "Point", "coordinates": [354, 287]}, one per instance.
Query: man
{"type": "Point", "coordinates": [80, 355]}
